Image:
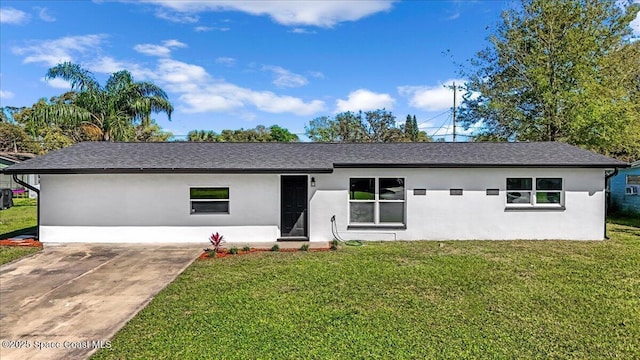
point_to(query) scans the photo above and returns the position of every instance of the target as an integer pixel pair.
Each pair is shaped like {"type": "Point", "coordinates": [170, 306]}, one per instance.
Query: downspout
{"type": "Point", "coordinates": [37, 191]}
{"type": "Point", "coordinates": [606, 198]}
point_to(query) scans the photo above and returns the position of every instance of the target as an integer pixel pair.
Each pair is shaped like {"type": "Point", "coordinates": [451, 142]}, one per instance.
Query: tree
{"type": "Point", "coordinates": [151, 132]}
{"type": "Point", "coordinates": [370, 126]}
{"type": "Point", "coordinates": [411, 130]}
{"type": "Point", "coordinates": [279, 134]}
{"type": "Point", "coordinates": [13, 138]}
{"type": "Point", "coordinates": [260, 133]}
{"type": "Point", "coordinates": [559, 70]}
{"type": "Point", "coordinates": [111, 112]}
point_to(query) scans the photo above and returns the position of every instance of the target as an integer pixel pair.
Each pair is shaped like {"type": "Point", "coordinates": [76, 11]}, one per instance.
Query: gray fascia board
{"type": "Point", "coordinates": [168, 171]}
{"type": "Point", "coordinates": [588, 166]}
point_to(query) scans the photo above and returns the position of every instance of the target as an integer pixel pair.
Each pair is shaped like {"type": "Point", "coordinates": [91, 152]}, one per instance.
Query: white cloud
{"type": "Point", "coordinates": [200, 92]}
{"type": "Point", "coordinates": [196, 89]}
{"type": "Point", "coordinates": [225, 96]}
{"type": "Point", "coordinates": [173, 43]}
{"type": "Point", "coordinates": [109, 65]}
{"type": "Point", "coordinates": [9, 15]}
{"type": "Point", "coordinates": [432, 98]}
{"type": "Point", "coordinates": [289, 13]}
{"type": "Point", "coordinates": [285, 78]}
{"type": "Point", "coordinates": [635, 25]}
{"type": "Point", "coordinates": [152, 50]}
{"type": "Point", "coordinates": [202, 28]}
{"type": "Point", "coordinates": [224, 60]}
{"type": "Point", "coordinates": [178, 73]}
{"type": "Point", "coordinates": [5, 94]}
{"type": "Point", "coordinates": [43, 14]}
{"type": "Point", "coordinates": [365, 100]}
{"type": "Point", "coordinates": [53, 52]}
{"type": "Point", "coordinates": [210, 28]}
{"type": "Point", "coordinates": [302, 31]}
{"type": "Point", "coordinates": [57, 83]}
{"type": "Point", "coordinates": [177, 17]}
{"type": "Point", "coordinates": [316, 74]}
{"type": "Point", "coordinates": [159, 50]}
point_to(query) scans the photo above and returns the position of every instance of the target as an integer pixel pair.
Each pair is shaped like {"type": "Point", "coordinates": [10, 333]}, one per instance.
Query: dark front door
{"type": "Point", "coordinates": [293, 206]}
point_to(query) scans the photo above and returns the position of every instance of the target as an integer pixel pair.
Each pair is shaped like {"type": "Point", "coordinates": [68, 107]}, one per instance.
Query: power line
{"type": "Point", "coordinates": [441, 126]}
{"type": "Point", "coordinates": [434, 117]}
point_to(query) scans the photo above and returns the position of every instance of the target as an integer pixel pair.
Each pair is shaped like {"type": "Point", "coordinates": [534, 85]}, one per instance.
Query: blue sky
{"type": "Point", "coordinates": [233, 64]}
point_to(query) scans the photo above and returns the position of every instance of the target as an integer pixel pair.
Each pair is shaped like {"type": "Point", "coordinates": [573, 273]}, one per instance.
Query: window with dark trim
{"type": "Point", "coordinates": [376, 201]}
{"type": "Point", "coordinates": [209, 200]}
{"type": "Point", "coordinates": [535, 192]}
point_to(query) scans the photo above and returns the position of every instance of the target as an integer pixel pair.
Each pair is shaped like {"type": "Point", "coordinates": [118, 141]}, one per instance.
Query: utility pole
{"type": "Point", "coordinates": [454, 111]}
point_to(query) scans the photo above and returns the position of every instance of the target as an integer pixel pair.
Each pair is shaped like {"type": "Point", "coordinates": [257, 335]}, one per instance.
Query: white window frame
{"type": "Point", "coordinates": [533, 198]}
{"type": "Point", "coordinates": [377, 201]}
{"type": "Point", "coordinates": [191, 201]}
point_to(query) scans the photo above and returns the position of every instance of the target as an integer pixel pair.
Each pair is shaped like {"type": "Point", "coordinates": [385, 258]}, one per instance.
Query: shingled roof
{"type": "Point", "coordinates": [189, 157]}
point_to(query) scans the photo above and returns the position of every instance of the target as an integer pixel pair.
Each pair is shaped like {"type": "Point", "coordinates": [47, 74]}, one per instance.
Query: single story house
{"type": "Point", "coordinates": [625, 189]}
{"type": "Point", "coordinates": [267, 192]}
{"type": "Point", "coordinates": [6, 181]}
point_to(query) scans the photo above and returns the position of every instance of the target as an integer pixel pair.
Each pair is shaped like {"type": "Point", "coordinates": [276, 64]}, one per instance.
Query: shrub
{"type": "Point", "coordinates": [304, 247]}
{"type": "Point", "coordinates": [246, 248]}
{"type": "Point", "coordinates": [216, 240]}
{"type": "Point", "coordinates": [233, 251]}
{"type": "Point", "coordinates": [275, 248]}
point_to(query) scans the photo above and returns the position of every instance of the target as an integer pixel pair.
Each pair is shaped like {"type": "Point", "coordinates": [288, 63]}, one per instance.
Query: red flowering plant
{"type": "Point", "coordinates": [216, 240]}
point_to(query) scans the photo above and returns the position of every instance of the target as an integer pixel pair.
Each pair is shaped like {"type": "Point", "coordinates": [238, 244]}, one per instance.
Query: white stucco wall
{"type": "Point", "coordinates": [156, 207]}
{"type": "Point", "coordinates": [474, 215]}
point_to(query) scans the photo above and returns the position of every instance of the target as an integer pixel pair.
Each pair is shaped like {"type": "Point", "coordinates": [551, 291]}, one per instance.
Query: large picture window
{"type": "Point", "coordinates": [207, 200]}
{"type": "Point", "coordinates": [376, 201]}
{"type": "Point", "coordinates": [535, 192]}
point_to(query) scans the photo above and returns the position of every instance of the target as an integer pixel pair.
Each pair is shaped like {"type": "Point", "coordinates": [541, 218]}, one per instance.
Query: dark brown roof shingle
{"type": "Point", "coordinates": [187, 157]}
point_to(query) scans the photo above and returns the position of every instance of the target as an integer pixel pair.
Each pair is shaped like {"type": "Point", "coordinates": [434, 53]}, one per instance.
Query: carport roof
{"type": "Point", "coordinates": [193, 157]}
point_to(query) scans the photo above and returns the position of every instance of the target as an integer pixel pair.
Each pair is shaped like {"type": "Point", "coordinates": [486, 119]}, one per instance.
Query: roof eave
{"type": "Point", "coordinates": [167, 171]}
{"type": "Point", "coordinates": [480, 165]}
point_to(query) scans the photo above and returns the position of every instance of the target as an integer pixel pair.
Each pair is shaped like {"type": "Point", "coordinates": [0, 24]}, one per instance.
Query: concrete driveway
{"type": "Point", "coordinates": [69, 300]}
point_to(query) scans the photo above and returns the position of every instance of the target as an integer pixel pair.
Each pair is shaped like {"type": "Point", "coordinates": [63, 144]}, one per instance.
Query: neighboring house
{"type": "Point", "coordinates": [263, 192]}
{"type": "Point", "coordinates": [625, 189]}
{"type": "Point", "coordinates": [7, 182]}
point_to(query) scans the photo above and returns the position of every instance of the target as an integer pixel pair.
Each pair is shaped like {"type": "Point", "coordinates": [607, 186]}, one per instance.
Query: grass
{"type": "Point", "coordinates": [10, 253]}
{"type": "Point", "coordinates": [465, 299]}
{"type": "Point", "coordinates": [18, 219]}
{"type": "Point", "coordinates": [626, 218]}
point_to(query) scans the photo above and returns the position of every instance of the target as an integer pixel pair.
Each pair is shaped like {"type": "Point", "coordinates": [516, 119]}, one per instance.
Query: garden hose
{"type": "Point", "coordinates": [336, 235]}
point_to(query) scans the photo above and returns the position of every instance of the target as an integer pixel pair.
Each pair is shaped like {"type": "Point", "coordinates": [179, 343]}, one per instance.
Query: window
{"type": "Point", "coordinates": [633, 179]}
{"type": "Point", "coordinates": [209, 200]}
{"type": "Point", "coordinates": [376, 201]}
{"type": "Point", "coordinates": [455, 192]}
{"type": "Point", "coordinates": [534, 191]}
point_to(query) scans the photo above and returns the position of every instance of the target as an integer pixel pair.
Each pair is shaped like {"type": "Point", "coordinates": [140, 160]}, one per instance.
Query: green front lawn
{"type": "Point", "coordinates": [628, 219]}
{"type": "Point", "coordinates": [20, 219]}
{"type": "Point", "coordinates": [10, 253]}
{"type": "Point", "coordinates": [414, 300]}
{"type": "Point", "coordinates": [23, 215]}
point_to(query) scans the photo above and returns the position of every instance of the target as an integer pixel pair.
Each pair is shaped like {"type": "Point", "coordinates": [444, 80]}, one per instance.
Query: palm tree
{"type": "Point", "coordinates": [109, 113]}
